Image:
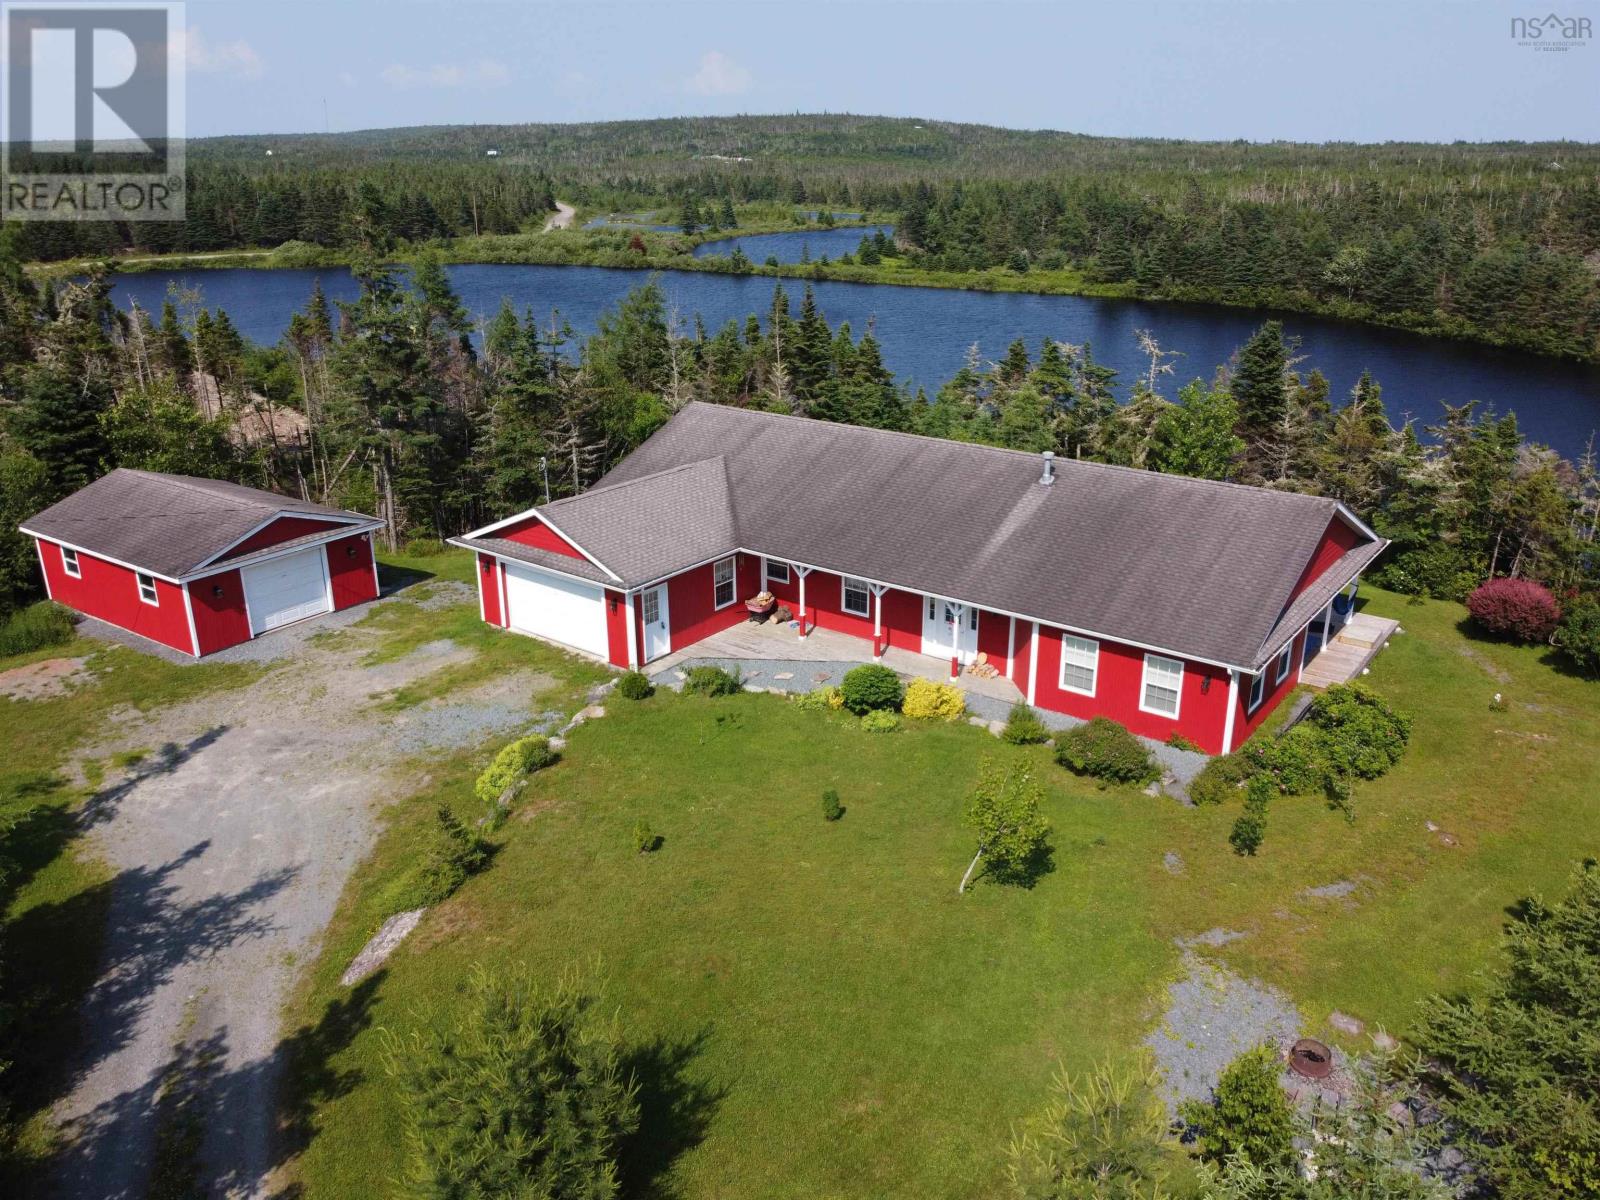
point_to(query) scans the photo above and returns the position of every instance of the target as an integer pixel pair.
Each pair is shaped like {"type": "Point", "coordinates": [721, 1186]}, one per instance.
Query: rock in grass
{"type": "Point", "coordinates": [382, 944]}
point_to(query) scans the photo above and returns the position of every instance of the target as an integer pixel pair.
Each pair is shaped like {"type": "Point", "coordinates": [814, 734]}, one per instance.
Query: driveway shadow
{"type": "Point", "coordinates": [102, 806]}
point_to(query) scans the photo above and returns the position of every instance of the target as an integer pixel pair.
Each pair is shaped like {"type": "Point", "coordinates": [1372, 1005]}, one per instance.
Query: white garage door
{"type": "Point", "coordinates": [286, 589]}
{"type": "Point", "coordinates": [562, 610]}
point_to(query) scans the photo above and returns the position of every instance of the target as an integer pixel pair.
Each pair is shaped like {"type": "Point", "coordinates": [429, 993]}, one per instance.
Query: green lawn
{"type": "Point", "coordinates": [817, 1013]}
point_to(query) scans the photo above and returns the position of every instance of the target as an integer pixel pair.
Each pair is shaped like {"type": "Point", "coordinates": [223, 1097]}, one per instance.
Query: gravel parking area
{"type": "Point", "coordinates": [231, 844]}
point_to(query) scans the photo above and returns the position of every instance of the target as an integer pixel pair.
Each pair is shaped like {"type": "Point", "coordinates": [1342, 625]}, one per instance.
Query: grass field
{"type": "Point", "coordinates": [814, 1012]}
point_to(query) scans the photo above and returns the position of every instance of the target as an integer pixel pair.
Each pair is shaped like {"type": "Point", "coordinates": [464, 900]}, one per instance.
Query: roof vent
{"type": "Point", "coordinates": [1049, 475]}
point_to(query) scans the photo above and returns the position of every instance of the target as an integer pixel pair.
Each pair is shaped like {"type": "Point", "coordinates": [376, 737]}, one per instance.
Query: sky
{"type": "Point", "coordinates": [1309, 70]}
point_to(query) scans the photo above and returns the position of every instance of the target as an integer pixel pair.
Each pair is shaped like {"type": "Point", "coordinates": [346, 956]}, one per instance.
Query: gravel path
{"type": "Point", "coordinates": [231, 846]}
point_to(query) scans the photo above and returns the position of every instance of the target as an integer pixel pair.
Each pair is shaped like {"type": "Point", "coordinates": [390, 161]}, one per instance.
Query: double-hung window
{"type": "Point", "coordinates": [856, 596]}
{"type": "Point", "coordinates": [777, 572]}
{"type": "Point", "coordinates": [1281, 671]}
{"type": "Point", "coordinates": [69, 563]}
{"type": "Point", "coordinates": [1162, 686]}
{"type": "Point", "coordinates": [722, 574]}
{"type": "Point", "coordinates": [147, 588]}
{"type": "Point", "coordinates": [1080, 663]}
{"type": "Point", "coordinates": [1258, 688]}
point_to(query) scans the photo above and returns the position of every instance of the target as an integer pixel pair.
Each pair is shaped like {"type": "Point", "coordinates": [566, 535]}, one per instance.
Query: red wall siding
{"type": "Point", "coordinates": [281, 530]}
{"type": "Point", "coordinates": [111, 593]}
{"type": "Point", "coordinates": [1201, 714]}
{"type": "Point", "coordinates": [220, 621]}
{"type": "Point", "coordinates": [489, 588]}
{"type": "Point", "coordinates": [690, 600]}
{"type": "Point", "coordinates": [351, 574]}
{"type": "Point", "coordinates": [902, 612]}
{"type": "Point", "coordinates": [994, 633]}
{"type": "Point", "coordinates": [534, 532]}
{"type": "Point", "coordinates": [1337, 540]}
{"type": "Point", "coordinates": [616, 629]}
{"type": "Point", "coordinates": [1244, 724]}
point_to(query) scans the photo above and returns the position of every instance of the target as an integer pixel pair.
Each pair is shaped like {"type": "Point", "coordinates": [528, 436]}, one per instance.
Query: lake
{"type": "Point", "coordinates": [807, 245]}
{"type": "Point", "coordinates": [925, 332]}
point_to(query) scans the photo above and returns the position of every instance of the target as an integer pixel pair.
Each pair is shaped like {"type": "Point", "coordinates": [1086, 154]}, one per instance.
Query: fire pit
{"type": "Point", "coordinates": [1311, 1059]}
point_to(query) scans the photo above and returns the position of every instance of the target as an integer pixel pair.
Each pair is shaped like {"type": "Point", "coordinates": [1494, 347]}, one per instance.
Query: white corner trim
{"type": "Point", "coordinates": [38, 544]}
{"type": "Point", "coordinates": [633, 647]}
{"type": "Point", "coordinates": [1033, 665]}
{"type": "Point", "coordinates": [1233, 707]}
{"type": "Point", "coordinates": [188, 608]}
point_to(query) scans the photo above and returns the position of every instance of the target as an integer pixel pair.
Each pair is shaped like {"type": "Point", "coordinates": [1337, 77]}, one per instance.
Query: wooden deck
{"type": "Point", "coordinates": [1350, 652]}
{"type": "Point", "coordinates": [779, 642]}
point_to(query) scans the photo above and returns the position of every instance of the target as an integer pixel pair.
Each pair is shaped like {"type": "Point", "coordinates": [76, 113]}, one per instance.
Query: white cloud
{"type": "Point", "coordinates": [237, 58]}
{"type": "Point", "coordinates": [718, 75]}
{"type": "Point", "coordinates": [486, 72]}
{"type": "Point", "coordinates": [346, 79]}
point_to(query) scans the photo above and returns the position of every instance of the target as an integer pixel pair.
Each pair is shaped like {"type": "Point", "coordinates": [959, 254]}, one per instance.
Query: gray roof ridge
{"type": "Point", "coordinates": [1077, 463]}
{"type": "Point", "coordinates": [654, 475]}
{"type": "Point", "coordinates": [184, 481]}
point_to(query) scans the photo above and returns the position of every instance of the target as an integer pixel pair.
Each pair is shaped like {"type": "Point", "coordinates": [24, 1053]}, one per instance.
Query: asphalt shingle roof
{"type": "Point", "coordinates": [1194, 566]}
{"type": "Point", "coordinates": [168, 524]}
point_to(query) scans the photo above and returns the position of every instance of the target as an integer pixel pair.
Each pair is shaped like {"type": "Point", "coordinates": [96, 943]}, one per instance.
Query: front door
{"type": "Point", "coordinates": [653, 614]}
{"type": "Point", "coordinates": [949, 629]}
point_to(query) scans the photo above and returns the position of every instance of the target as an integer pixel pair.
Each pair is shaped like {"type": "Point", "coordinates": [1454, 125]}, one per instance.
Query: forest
{"type": "Point", "coordinates": [388, 404]}
{"type": "Point", "coordinates": [1492, 242]}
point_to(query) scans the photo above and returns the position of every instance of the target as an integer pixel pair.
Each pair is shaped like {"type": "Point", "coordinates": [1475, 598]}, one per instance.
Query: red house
{"type": "Point", "coordinates": [199, 564]}
{"type": "Point", "coordinates": [1172, 605]}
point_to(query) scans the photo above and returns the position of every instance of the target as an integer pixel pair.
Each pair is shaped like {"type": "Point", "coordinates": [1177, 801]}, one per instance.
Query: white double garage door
{"type": "Point", "coordinates": [557, 609]}
{"type": "Point", "coordinates": [283, 590]}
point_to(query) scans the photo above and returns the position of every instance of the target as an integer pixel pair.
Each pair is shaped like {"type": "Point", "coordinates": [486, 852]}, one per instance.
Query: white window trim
{"type": "Point", "coordinates": [154, 599]}
{"type": "Point", "coordinates": [1094, 666]}
{"type": "Point", "coordinates": [864, 588]}
{"type": "Point", "coordinates": [1280, 670]}
{"type": "Point", "coordinates": [733, 582]}
{"type": "Point", "coordinates": [1144, 681]}
{"type": "Point", "coordinates": [70, 565]}
{"type": "Point", "coordinates": [766, 571]}
{"type": "Point", "coordinates": [1258, 692]}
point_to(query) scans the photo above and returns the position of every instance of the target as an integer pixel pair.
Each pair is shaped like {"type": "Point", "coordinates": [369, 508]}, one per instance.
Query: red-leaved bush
{"type": "Point", "coordinates": [1515, 608]}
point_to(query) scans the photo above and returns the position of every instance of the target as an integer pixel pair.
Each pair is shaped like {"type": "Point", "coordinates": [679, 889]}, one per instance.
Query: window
{"type": "Point", "coordinates": [722, 575]}
{"type": "Point", "coordinates": [856, 596]}
{"type": "Point", "coordinates": [1258, 686]}
{"type": "Point", "coordinates": [1281, 672]}
{"type": "Point", "coordinates": [777, 572]}
{"type": "Point", "coordinates": [1080, 663]}
{"type": "Point", "coordinates": [69, 563]}
{"type": "Point", "coordinates": [1162, 686]}
{"type": "Point", "coordinates": [650, 606]}
{"type": "Point", "coordinates": [147, 588]}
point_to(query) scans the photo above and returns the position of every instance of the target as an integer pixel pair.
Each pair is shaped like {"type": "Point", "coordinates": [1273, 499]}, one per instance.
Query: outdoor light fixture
{"type": "Point", "coordinates": [349, 551]}
{"type": "Point", "coordinates": [1205, 684]}
{"type": "Point", "coordinates": [216, 590]}
{"type": "Point", "coordinates": [614, 603]}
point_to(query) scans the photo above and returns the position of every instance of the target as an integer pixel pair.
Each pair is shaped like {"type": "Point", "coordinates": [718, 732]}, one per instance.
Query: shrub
{"type": "Point", "coordinates": [832, 810]}
{"type": "Point", "coordinates": [1578, 635]}
{"type": "Point", "coordinates": [930, 701]}
{"type": "Point", "coordinates": [635, 685]}
{"type": "Point", "coordinates": [1250, 830]}
{"type": "Point", "coordinates": [1103, 1135]}
{"type": "Point", "coordinates": [453, 853]}
{"type": "Point", "coordinates": [1248, 1113]}
{"type": "Point", "coordinates": [1297, 761]}
{"type": "Point", "coordinates": [820, 699]}
{"type": "Point", "coordinates": [880, 720]}
{"type": "Point", "coordinates": [1178, 742]}
{"type": "Point", "coordinates": [1024, 728]}
{"type": "Point", "coordinates": [511, 764]}
{"type": "Point", "coordinates": [1518, 609]}
{"type": "Point", "coordinates": [644, 838]}
{"type": "Point", "coordinates": [868, 687]}
{"type": "Point", "coordinates": [711, 681]}
{"type": "Point", "coordinates": [35, 627]}
{"type": "Point", "coordinates": [1004, 810]}
{"type": "Point", "coordinates": [1438, 569]}
{"type": "Point", "coordinates": [1363, 735]}
{"type": "Point", "coordinates": [515, 1089]}
{"type": "Point", "coordinates": [1219, 779]}
{"type": "Point", "coordinates": [1106, 750]}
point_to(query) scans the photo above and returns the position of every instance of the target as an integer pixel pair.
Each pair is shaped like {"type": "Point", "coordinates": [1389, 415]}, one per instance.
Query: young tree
{"type": "Point", "coordinates": [1101, 1135]}
{"type": "Point", "coordinates": [1248, 1114]}
{"type": "Point", "coordinates": [521, 1093]}
{"type": "Point", "coordinates": [1513, 1069]}
{"type": "Point", "coordinates": [1196, 436]}
{"type": "Point", "coordinates": [1003, 809]}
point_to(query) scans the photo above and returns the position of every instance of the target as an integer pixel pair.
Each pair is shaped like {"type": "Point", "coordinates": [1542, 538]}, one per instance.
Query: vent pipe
{"type": "Point", "coordinates": [1049, 475]}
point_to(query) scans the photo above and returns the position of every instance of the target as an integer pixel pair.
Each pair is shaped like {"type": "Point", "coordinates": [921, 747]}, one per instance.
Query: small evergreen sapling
{"type": "Point", "coordinates": [1250, 830]}
{"type": "Point", "coordinates": [832, 810]}
{"type": "Point", "coordinates": [644, 838]}
{"type": "Point", "coordinates": [1248, 1115]}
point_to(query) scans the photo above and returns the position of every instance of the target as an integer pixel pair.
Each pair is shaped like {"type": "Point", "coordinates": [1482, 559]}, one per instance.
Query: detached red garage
{"type": "Point", "coordinates": [199, 564]}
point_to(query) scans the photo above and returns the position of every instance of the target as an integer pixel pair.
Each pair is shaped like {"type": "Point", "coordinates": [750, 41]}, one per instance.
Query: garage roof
{"type": "Point", "coordinates": [167, 524]}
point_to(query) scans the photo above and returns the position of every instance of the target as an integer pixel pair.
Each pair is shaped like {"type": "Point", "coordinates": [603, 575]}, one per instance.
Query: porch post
{"type": "Point", "coordinates": [877, 590]}
{"type": "Point", "coordinates": [1327, 619]}
{"type": "Point", "coordinates": [959, 611]}
{"type": "Point", "coordinates": [1011, 652]}
{"type": "Point", "coordinates": [1233, 705]}
{"type": "Point", "coordinates": [1033, 665]}
{"type": "Point", "coordinates": [804, 571]}
{"type": "Point", "coordinates": [633, 646]}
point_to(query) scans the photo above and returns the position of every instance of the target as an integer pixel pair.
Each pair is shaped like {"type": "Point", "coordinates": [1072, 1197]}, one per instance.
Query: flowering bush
{"type": "Point", "coordinates": [1515, 608]}
{"type": "Point", "coordinates": [929, 701]}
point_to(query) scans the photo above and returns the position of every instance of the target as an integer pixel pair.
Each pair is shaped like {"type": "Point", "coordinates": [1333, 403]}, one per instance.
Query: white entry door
{"type": "Point", "coordinates": [949, 629]}
{"type": "Point", "coordinates": [288, 589]}
{"type": "Point", "coordinates": [653, 614]}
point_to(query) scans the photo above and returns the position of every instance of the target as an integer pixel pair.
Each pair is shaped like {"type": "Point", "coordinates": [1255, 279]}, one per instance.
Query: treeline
{"type": "Point", "coordinates": [391, 405]}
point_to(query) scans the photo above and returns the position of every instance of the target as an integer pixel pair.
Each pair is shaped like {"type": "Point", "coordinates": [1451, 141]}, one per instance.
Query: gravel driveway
{"type": "Point", "coordinates": [231, 846]}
